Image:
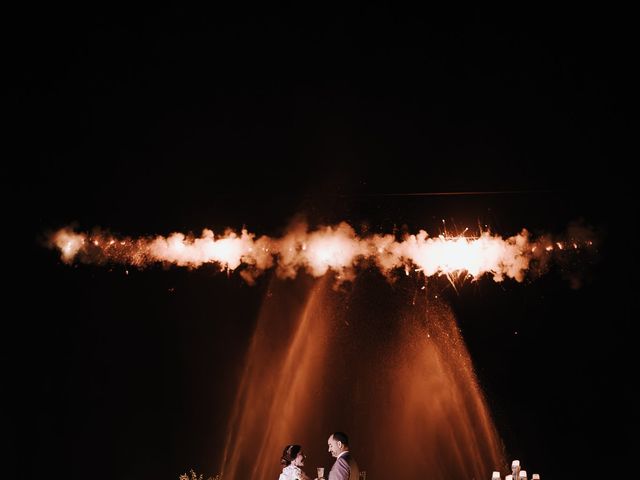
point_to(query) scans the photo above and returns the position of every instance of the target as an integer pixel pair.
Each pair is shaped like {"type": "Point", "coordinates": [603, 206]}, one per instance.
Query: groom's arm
{"type": "Point", "coordinates": [340, 470]}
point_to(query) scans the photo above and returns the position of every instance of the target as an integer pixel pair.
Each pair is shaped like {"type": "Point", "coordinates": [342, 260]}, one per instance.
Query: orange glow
{"type": "Point", "coordinates": [415, 385]}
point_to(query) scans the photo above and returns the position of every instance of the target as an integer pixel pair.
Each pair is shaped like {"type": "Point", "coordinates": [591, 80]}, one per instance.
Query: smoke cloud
{"type": "Point", "coordinates": [337, 248]}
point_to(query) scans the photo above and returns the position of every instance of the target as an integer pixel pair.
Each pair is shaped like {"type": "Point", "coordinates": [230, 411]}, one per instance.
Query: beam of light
{"type": "Point", "coordinates": [335, 248]}
{"type": "Point", "coordinates": [448, 194]}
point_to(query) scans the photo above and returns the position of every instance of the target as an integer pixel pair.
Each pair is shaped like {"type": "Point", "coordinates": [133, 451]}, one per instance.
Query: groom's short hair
{"type": "Point", "coordinates": [341, 437]}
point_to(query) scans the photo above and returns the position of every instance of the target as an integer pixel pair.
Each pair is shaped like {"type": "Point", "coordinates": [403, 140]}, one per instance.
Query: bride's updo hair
{"type": "Point", "coordinates": [289, 454]}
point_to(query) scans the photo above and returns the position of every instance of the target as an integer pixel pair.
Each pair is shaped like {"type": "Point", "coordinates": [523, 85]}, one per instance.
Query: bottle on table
{"type": "Point", "coordinates": [515, 469]}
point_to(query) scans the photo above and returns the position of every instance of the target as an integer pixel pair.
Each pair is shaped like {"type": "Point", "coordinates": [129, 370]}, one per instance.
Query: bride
{"type": "Point", "coordinates": [292, 459]}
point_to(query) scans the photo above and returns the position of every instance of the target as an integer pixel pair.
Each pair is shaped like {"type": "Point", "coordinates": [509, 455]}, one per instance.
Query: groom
{"type": "Point", "coordinates": [345, 467]}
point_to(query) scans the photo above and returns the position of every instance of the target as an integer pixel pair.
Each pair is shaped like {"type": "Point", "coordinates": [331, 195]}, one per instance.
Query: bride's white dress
{"type": "Point", "coordinates": [291, 472]}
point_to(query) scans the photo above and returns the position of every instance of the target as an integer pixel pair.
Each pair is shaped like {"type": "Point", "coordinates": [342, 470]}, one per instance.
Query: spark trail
{"type": "Point", "coordinates": [335, 248]}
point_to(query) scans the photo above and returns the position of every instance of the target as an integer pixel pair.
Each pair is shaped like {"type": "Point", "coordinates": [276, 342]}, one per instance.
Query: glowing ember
{"type": "Point", "coordinates": [336, 248]}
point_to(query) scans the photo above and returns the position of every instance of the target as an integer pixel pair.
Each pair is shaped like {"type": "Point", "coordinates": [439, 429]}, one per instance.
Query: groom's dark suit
{"type": "Point", "coordinates": [344, 468]}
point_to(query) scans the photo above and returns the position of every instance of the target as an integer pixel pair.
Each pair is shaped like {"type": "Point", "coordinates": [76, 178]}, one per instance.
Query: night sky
{"type": "Point", "coordinates": [155, 121]}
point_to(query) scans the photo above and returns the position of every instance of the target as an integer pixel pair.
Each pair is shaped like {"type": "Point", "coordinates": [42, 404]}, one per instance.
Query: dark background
{"type": "Point", "coordinates": [154, 121]}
